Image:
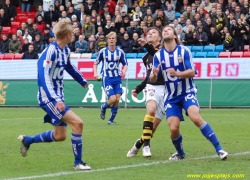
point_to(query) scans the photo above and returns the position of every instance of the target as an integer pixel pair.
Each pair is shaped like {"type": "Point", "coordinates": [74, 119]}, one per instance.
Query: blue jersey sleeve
{"type": "Point", "coordinates": [75, 73]}
{"type": "Point", "coordinates": [123, 58]}
{"type": "Point", "coordinates": [44, 65]}
{"type": "Point", "coordinates": [188, 61]}
{"type": "Point", "coordinates": [99, 57]}
{"type": "Point", "coordinates": [156, 63]}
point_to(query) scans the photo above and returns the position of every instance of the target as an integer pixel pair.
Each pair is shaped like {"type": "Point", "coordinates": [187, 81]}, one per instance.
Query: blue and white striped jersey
{"type": "Point", "coordinates": [180, 59]}
{"type": "Point", "coordinates": [51, 65]}
{"type": "Point", "coordinates": [110, 61]}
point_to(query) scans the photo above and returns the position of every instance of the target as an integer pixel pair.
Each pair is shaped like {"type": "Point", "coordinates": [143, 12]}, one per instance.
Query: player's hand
{"type": "Point", "coordinates": [156, 70]}
{"type": "Point", "coordinates": [123, 73]}
{"type": "Point", "coordinates": [86, 86]}
{"type": "Point", "coordinates": [142, 41]}
{"type": "Point", "coordinates": [96, 76]}
{"type": "Point", "coordinates": [60, 106]}
{"type": "Point", "coordinates": [134, 93]}
{"type": "Point", "coordinates": [171, 71]}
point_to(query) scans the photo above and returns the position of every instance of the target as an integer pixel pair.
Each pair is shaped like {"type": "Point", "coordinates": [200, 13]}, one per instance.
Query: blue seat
{"type": "Point", "coordinates": [193, 53]}
{"type": "Point", "coordinates": [200, 55]}
{"type": "Point", "coordinates": [140, 55]}
{"type": "Point", "coordinates": [219, 48]}
{"type": "Point", "coordinates": [94, 56]}
{"type": "Point", "coordinates": [197, 49]}
{"type": "Point", "coordinates": [189, 47]}
{"type": "Point", "coordinates": [131, 55]}
{"type": "Point", "coordinates": [177, 15]}
{"type": "Point", "coordinates": [209, 48]}
{"type": "Point", "coordinates": [213, 54]}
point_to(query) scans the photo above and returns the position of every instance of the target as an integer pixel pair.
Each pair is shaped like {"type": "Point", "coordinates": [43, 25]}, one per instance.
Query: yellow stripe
{"type": "Point", "coordinates": [146, 137]}
{"type": "Point", "coordinates": [147, 131]}
{"type": "Point", "coordinates": [149, 118]}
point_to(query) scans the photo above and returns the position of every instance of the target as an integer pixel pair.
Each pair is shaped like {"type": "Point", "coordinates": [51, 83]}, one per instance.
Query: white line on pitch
{"type": "Point", "coordinates": [119, 167]}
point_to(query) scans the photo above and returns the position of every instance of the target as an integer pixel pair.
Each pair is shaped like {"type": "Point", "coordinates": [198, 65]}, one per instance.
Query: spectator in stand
{"type": "Point", "coordinates": [62, 8]}
{"type": "Point", "coordinates": [196, 18]}
{"type": "Point", "coordinates": [69, 4]}
{"type": "Point", "coordinates": [30, 54]}
{"type": "Point", "coordinates": [132, 29]}
{"type": "Point", "coordinates": [26, 5]}
{"type": "Point", "coordinates": [27, 35]}
{"type": "Point", "coordinates": [239, 30]}
{"type": "Point", "coordinates": [223, 33]}
{"type": "Point", "coordinates": [245, 7]}
{"type": "Point", "coordinates": [189, 14]}
{"type": "Point", "coordinates": [72, 44]}
{"type": "Point", "coordinates": [10, 10]}
{"type": "Point", "coordinates": [64, 16]}
{"type": "Point", "coordinates": [77, 33]}
{"type": "Point", "coordinates": [118, 22]}
{"type": "Point", "coordinates": [121, 7]}
{"type": "Point", "coordinates": [228, 43]}
{"type": "Point", "coordinates": [184, 7]}
{"type": "Point", "coordinates": [15, 45]}
{"type": "Point", "coordinates": [93, 16]}
{"type": "Point", "coordinates": [40, 11]}
{"type": "Point", "coordinates": [47, 4]}
{"type": "Point", "coordinates": [194, 7]}
{"type": "Point", "coordinates": [189, 38]}
{"type": "Point", "coordinates": [50, 16]}
{"type": "Point", "coordinates": [74, 20]}
{"type": "Point", "coordinates": [81, 45]}
{"type": "Point", "coordinates": [38, 44]}
{"type": "Point", "coordinates": [108, 28]}
{"type": "Point", "coordinates": [106, 12]}
{"type": "Point", "coordinates": [198, 3]}
{"type": "Point", "coordinates": [176, 24]}
{"type": "Point", "coordinates": [5, 20]}
{"type": "Point", "coordinates": [57, 5]}
{"type": "Point", "coordinates": [161, 16]}
{"type": "Point", "coordinates": [144, 34]}
{"type": "Point", "coordinates": [99, 31]}
{"type": "Point", "coordinates": [40, 24]}
{"type": "Point", "coordinates": [220, 21]}
{"type": "Point", "coordinates": [19, 36]}
{"type": "Point", "coordinates": [161, 4]}
{"type": "Point", "coordinates": [145, 7]}
{"type": "Point", "coordinates": [30, 24]}
{"type": "Point", "coordinates": [182, 21]}
{"type": "Point", "coordinates": [45, 38]}
{"type": "Point", "coordinates": [126, 23]}
{"type": "Point", "coordinates": [4, 45]}
{"type": "Point", "coordinates": [237, 13]}
{"type": "Point", "coordinates": [100, 43]}
{"type": "Point", "coordinates": [137, 15]}
{"type": "Point", "coordinates": [201, 7]}
{"type": "Point", "coordinates": [89, 6]}
{"type": "Point", "coordinates": [88, 28]}
{"type": "Point", "coordinates": [77, 5]}
{"type": "Point", "coordinates": [125, 45]}
{"type": "Point", "coordinates": [170, 13]}
{"type": "Point", "coordinates": [91, 44]}
{"type": "Point", "coordinates": [150, 22]}
{"type": "Point", "coordinates": [81, 13]}
{"type": "Point", "coordinates": [98, 22]}
{"type": "Point", "coordinates": [23, 27]}
{"type": "Point", "coordinates": [213, 37]}
{"type": "Point", "coordinates": [135, 47]}
{"type": "Point", "coordinates": [208, 5]}
{"type": "Point", "coordinates": [188, 23]}
{"type": "Point", "coordinates": [120, 36]}
{"type": "Point", "coordinates": [208, 25]}
{"type": "Point", "coordinates": [70, 12]}
{"type": "Point", "coordinates": [201, 37]}
{"type": "Point", "coordinates": [112, 5]}
{"type": "Point", "coordinates": [1, 6]}
{"type": "Point", "coordinates": [25, 45]}
{"type": "Point", "coordinates": [148, 13]}
{"type": "Point", "coordinates": [180, 34]}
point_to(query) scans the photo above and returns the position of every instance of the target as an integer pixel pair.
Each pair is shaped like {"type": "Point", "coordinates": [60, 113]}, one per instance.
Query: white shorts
{"type": "Point", "coordinates": [156, 93]}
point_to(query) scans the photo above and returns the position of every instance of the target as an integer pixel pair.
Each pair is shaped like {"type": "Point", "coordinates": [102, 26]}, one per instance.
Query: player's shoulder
{"type": "Point", "coordinates": [120, 50]}
{"type": "Point", "coordinates": [157, 54]}
{"type": "Point", "coordinates": [184, 47]}
{"type": "Point", "coordinates": [48, 51]}
{"type": "Point", "coordinates": [102, 50]}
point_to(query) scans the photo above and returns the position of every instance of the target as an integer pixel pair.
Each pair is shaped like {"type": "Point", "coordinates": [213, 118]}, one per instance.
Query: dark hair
{"type": "Point", "coordinates": [158, 30]}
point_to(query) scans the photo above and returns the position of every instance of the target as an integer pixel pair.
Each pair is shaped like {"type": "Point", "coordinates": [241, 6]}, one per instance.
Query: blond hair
{"type": "Point", "coordinates": [62, 28]}
{"type": "Point", "coordinates": [112, 33]}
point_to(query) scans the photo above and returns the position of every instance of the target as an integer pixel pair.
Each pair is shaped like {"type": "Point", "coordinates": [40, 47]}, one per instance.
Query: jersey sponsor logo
{"type": "Point", "coordinates": [3, 93]}
{"type": "Point", "coordinates": [58, 73]}
{"type": "Point", "coordinates": [47, 63]}
{"type": "Point", "coordinates": [111, 65]}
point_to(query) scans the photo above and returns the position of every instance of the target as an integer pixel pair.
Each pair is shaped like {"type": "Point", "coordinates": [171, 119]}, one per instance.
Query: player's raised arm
{"type": "Point", "coordinates": [44, 65]}
{"type": "Point", "coordinates": [76, 74]}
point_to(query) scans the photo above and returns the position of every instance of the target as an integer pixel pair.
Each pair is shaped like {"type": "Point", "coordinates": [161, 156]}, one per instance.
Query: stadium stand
{"type": "Point", "coordinates": [209, 48]}
{"type": "Point", "coordinates": [236, 54]}
{"type": "Point", "coordinates": [224, 55]}
{"type": "Point", "coordinates": [75, 56]}
{"type": "Point", "coordinates": [86, 56]}
{"type": "Point", "coordinates": [1, 56]}
{"type": "Point", "coordinates": [8, 57]}
{"type": "Point", "coordinates": [94, 56]}
{"type": "Point", "coordinates": [140, 55]}
{"type": "Point", "coordinates": [131, 55]}
{"type": "Point", "coordinates": [18, 56]}
{"type": "Point", "coordinates": [212, 55]}
{"type": "Point", "coordinates": [197, 48]}
{"type": "Point", "coordinates": [200, 55]}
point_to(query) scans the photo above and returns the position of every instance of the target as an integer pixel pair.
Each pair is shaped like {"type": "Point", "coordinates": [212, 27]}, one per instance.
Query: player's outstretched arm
{"type": "Point", "coordinates": [189, 73]}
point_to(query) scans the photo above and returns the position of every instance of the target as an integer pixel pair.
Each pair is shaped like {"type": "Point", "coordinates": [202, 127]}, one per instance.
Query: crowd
{"type": "Point", "coordinates": [201, 23]}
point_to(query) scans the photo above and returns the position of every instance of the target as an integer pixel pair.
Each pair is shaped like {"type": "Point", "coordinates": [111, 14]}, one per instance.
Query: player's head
{"type": "Point", "coordinates": [154, 35]}
{"type": "Point", "coordinates": [169, 34]}
{"type": "Point", "coordinates": [63, 30]}
{"type": "Point", "coordinates": [111, 38]}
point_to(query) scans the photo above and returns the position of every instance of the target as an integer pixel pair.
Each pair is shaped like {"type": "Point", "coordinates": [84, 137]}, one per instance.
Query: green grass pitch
{"type": "Point", "coordinates": [106, 146]}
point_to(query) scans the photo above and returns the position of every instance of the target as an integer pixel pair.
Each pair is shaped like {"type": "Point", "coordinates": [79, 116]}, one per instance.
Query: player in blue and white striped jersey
{"type": "Point", "coordinates": [111, 57]}
{"type": "Point", "coordinates": [175, 63]}
{"type": "Point", "coordinates": [51, 65]}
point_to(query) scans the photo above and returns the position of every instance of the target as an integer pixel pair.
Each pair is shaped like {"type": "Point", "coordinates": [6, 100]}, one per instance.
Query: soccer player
{"type": "Point", "coordinates": [111, 57]}
{"type": "Point", "coordinates": [174, 62]}
{"type": "Point", "coordinates": [154, 93]}
{"type": "Point", "coordinates": [51, 65]}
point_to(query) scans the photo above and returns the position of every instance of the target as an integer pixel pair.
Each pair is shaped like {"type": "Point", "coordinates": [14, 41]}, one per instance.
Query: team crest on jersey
{"type": "Point", "coordinates": [47, 63]}
{"type": "Point", "coordinates": [180, 59]}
